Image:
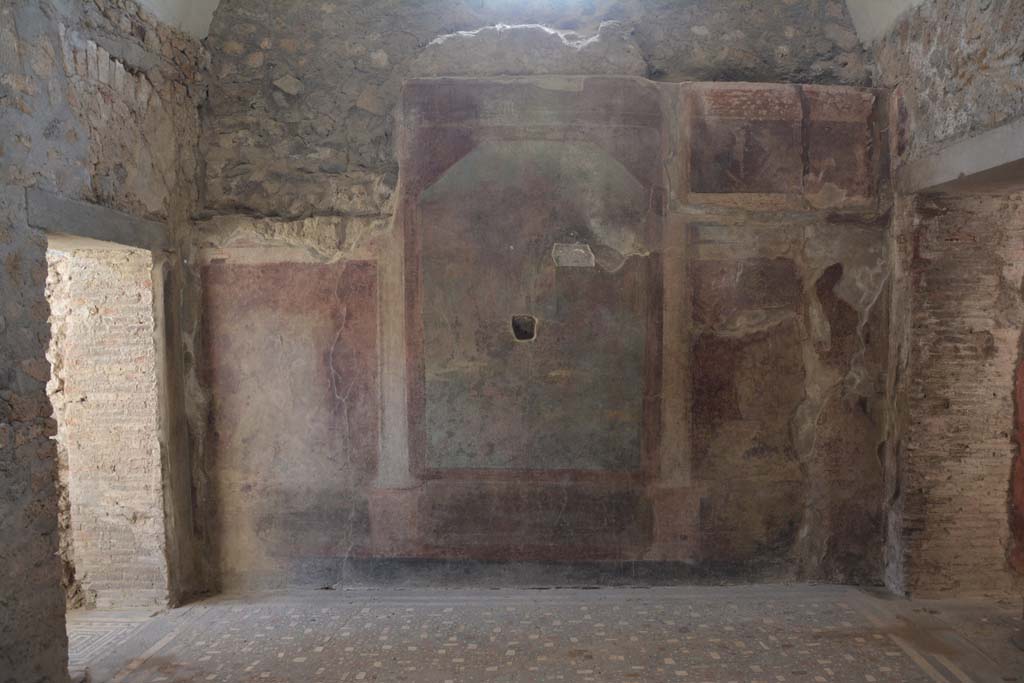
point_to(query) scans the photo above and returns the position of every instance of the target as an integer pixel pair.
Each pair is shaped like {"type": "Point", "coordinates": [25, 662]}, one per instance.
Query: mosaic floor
{"type": "Point", "coordinates": [749, 634]}
{"type": "Point", "coordinates": [92, 633]}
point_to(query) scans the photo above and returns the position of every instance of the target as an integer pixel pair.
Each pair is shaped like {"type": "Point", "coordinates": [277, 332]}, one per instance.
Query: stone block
{"type": "Point", "coordinates": [84, 223]}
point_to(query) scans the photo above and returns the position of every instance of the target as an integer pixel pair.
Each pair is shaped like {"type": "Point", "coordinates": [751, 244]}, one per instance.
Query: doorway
{"type": "Point", "coordinates": [104, 388]}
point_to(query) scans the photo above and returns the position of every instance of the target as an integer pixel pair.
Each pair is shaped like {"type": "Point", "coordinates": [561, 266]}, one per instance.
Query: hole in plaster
{"type": "Point", "coordinates": [524, 327]}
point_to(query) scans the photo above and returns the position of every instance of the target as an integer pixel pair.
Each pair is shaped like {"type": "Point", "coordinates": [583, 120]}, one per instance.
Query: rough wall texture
{"type": "Point", "coordinates": [99, 106]}
{"type": "Point", "coordinates": [105, 399]}
{"type": "Point", "coordinates": [964, 273]}
{"type": "Point", "coordinates": [741, 438]}
{"type": "Point", "coordinates": [959, 66]}
{"type": "Point", "coordinates": [302, 95]}
{"type": "Point", "coordinates": [64, 115]}
{"type": "Point", "coordinates": [33, 643]}
{"type": "Point", "coordinates": [58, 297]}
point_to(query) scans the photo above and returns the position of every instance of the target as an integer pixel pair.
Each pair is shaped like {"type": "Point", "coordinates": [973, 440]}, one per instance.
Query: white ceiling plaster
{"type": "Point", "coordinates": [874, 18]}
{"type": "Point", "coordinates": [191, 16]}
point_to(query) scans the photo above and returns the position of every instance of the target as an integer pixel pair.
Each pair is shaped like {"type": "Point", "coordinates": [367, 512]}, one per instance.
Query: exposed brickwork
{"type": "Point", "coordinates": [59, 297]}
{"type": "Point", "coordinates": [967, 316]}
{"type": "Point", "coordinates": [105, 402]}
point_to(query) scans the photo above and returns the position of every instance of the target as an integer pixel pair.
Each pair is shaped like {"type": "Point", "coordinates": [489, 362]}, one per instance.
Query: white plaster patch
{"type": "Point", "coordinates": [576, 255]}
{"type": "Point", "coordinates": [191, 16]}
{"type": "Point", "coordinates": [874, 18]}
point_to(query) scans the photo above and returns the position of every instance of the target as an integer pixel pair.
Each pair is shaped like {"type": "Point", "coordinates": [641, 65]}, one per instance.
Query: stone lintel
{"type": "Point", "coordinates": [990, 162]}
{"type": "Point", "coordinates": [79, 224]}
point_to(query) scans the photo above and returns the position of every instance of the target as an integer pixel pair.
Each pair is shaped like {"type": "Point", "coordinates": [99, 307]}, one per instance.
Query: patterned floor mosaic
{"type": "Point", "coordinates": [760, 634]}
{"type": "Point", "coordinates": [91, 633]}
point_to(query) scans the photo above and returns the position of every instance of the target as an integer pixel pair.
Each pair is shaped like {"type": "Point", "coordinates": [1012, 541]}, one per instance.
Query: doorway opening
{"type": "Point", "coordinates": [104, 388]}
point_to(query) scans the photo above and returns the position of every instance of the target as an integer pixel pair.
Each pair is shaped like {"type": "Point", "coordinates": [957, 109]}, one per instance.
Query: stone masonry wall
{"type": "Point", "coordinates": [97, 102]}
{"type": "Point", "coordinates": [959, 66]}
{"type": "Point", "coordinates": [965, 276]}
{"type": "Point", "coordinates": [33, 644]}
{"type": "Point", "coordinates": [104, 393]}
{"type": "Point", "coordinates": [301, 118]}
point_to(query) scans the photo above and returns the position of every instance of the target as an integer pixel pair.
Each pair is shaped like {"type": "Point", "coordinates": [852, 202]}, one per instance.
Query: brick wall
{"type": "Point", "coordinates": [965, 275]}
{"type": "Point", "coordinates": [58, 296]}
{"type": "Point", "coordinates": [105, 398]}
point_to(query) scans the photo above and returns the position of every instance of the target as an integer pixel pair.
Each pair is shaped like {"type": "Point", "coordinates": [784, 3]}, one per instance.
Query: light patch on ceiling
{"type": "Point", "coordinates": [191, 16]}
{"type": "Point", "coordinates": [875, 18]}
